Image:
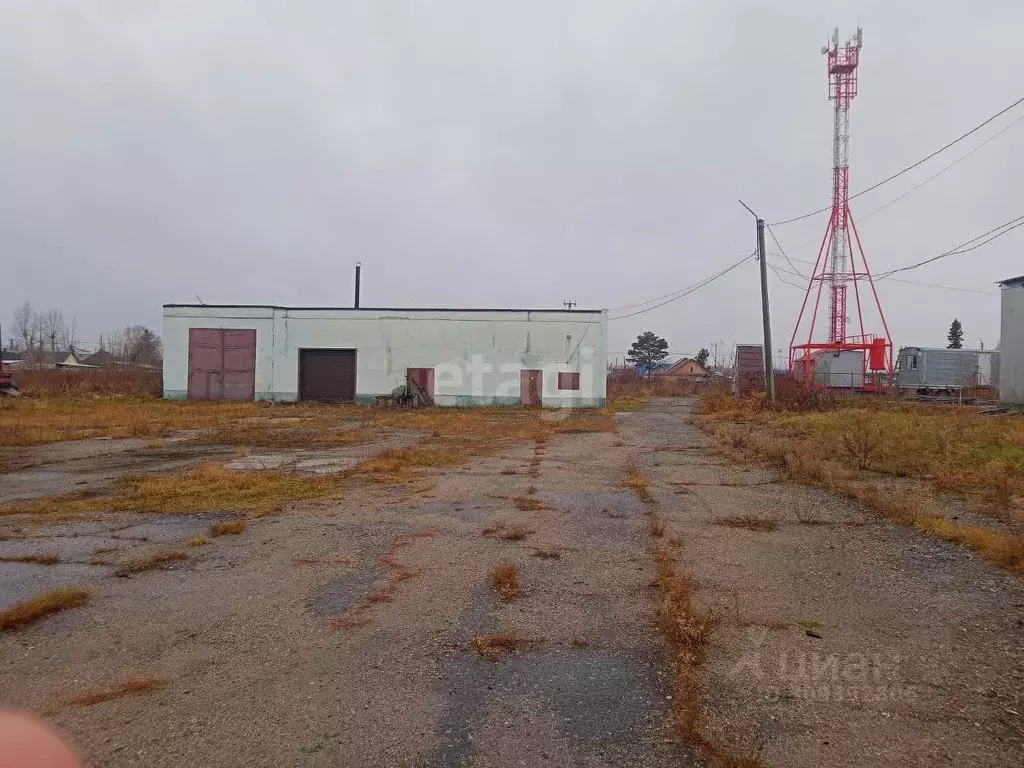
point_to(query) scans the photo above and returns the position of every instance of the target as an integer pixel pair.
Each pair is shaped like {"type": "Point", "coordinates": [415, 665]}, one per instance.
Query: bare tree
{"type": "Point", "coordinates": [52, 328]}
{"type": "Point", "coordinates": [26, 326]}
{"type": "Point", "coordinates": [135, 345]}
{"type": "Point", "coordinates": [69, 334]}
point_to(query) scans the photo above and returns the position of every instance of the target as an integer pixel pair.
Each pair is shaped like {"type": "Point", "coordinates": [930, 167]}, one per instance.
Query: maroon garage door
{"type": "Point", "coordinates": [221, 364]}
{"type": "Point", "coordinates": [328, 375]}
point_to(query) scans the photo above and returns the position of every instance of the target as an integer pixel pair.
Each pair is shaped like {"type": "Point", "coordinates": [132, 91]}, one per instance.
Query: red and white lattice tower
{"type": "Point", "coordinates": [837, 264]}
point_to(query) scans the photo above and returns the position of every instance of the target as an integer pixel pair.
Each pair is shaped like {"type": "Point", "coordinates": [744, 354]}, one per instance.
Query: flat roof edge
{"type": "Point", "coordinates": [379, 309]}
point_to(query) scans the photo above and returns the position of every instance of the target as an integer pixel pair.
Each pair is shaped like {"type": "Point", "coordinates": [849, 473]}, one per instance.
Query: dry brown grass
{"type": "Point", "coordinates": [130, 686]}
{"type": "Point", "coordinates": [507, 532]}
{"type": "Point", "coordinates": [578, 641]}
{"type": "Point", "coordinates": [526, 503]}
{"type": "Point", "coordinates": [750, 522]}
{"type": "Point", "coordinates": [232, 527]}
{"type": "Point", "coordinates": [505, 580]}
{"type": "Point", "coordinates": [99, 561]}
{"type": "Point", "coordinates": [43, 605]}
{"type": "Point", "coordinates": [37, 559]}
{"type": "Point", "coordinates": [496, 647]}
{"type": "Point", "coordinates": [200, 489]}
{"type": "Point", "coordinates": [198, 541]}
{"type": "Point", "coordinates": [657, 527]}
{"type": "Point", "coordinates": [1003, 549]}
{"type": "Point", "coordinates": [88, 382]}
{"type": "Point", "coordinates": [688, 629]}
{"type": "Point", "coordinates": [362, 615]}
{"type": "Point", "coordinates": [638, 483]}
{"type": "Point", "coordinates": [151, 562]}
{"type": "Point", "coordinates": [944, 448]}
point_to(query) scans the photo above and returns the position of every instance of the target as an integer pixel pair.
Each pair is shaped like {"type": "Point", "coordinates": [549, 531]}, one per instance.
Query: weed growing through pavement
{"type": "Point", "coordinates": [151, 562]}
{"type": "Point", "coordinates": [637, 482]}
{"type": "Point", "coordinates": [505, 580]}
{"type": "Point", "coordinates": [228, 527]}
{"type": "Point", "coordinates": [496, 647]}
{"type": "Point", "coordinates": [41, 606]}
{"type": "Point", "coordinates": [37, 559]}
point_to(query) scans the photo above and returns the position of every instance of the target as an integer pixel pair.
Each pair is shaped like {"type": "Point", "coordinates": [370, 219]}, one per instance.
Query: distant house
{"type": "Point", "coordinates": [48, 358]}
{"type": "Point", "coordinates": [10, 357]}
{"type": "Point", "coordinates": [102, 359]}
{"type": "Point", "coordinates": [686, 368]}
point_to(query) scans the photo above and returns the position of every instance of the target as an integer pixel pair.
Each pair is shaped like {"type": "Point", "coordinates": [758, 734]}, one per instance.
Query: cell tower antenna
{"type": "Point", "coordinates": [839, 268]}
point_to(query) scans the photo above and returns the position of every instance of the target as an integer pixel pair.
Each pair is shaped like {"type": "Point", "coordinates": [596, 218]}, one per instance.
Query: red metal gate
{"type": "Point", "coordinates": [221, 364]}
{"type": "Point", "coordinates": [530, 389]}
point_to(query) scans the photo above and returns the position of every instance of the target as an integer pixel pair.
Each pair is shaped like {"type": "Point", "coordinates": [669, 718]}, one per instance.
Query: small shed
{"type": "Point", "coordinates": [748, 371]}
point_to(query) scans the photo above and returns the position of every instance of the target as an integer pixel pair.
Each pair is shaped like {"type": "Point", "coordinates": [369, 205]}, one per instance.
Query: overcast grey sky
{"type": "Point", "coordinates": [478, 153]}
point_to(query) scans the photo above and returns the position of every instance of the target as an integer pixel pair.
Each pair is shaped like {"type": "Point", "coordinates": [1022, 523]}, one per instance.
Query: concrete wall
{"type": "Point", "coordinates": [476, 355]}
{"type": "Point", "coordinates": [1011, 345]}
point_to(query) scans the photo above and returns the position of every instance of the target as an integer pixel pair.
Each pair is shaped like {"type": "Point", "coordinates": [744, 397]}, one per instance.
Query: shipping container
{"type": "Point", "coordinates": [937, 369]}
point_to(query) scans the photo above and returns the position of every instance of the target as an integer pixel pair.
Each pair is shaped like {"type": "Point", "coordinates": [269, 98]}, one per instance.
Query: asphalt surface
{"type": "Point", "coordinates": [338, 633]}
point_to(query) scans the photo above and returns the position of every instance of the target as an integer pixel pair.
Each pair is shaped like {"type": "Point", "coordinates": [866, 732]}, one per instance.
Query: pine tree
{"type": "Point", "coordinates": [648, 349]}
{"type": "Point", "coordinates": [955, 335]}
{"type": "Point", "coordinates": [702, 357]}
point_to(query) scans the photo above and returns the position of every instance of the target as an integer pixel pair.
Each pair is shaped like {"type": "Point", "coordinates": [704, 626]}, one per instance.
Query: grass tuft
{"type": "Point", "coordinates": [200, 489]}
{"type": "Point", "coordinates": [496, 647]}
{"type": "Point", "coordinates": [37, 559]}
{"type": "Point", "coordinates": [233, 527]}
{"type": "Point", "coordinates": [42, 606]}
{"type": "Point", "coordinates": [504, 579]}
{"type": "Point", "coordinates": [151, 562]}
{"type": "Point", "coordinates": [637, 482]}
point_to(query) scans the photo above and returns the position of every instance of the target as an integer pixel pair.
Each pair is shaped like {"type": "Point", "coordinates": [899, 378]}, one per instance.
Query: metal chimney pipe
{"type": "Point", "coordinates": [356, 305]}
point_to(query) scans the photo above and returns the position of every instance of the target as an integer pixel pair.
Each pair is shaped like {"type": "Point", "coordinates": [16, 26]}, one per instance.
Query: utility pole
{"type": "Point", "coordinates": [769, 365]}
{"type": "Point", "coordinates": [569, 304]}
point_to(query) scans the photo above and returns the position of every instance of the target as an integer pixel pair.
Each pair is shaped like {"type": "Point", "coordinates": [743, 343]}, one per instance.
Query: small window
{"type": "Point", "coordinates": [913, 362]}
{"type": "Point", "coordinates": [569, 380]}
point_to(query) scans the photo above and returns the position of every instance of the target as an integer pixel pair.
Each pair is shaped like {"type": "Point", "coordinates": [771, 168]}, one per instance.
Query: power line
{"type": "Point", "coordinates": [907, 282]}
{"type": "Point", "coordinates": [657, 298]}
{"type": "Point", "coordinates": [911, 167]}
{"type": "Point", "coordinates": [685, 291]}
{"type": "Point", "coordinates": [778, 274]}
{"type": "Point", "coordinates": [784, 254]}
{"type": "Point", "coordinates": [965, 247]}
{"type": "Point", "coordinates": [936, 175]}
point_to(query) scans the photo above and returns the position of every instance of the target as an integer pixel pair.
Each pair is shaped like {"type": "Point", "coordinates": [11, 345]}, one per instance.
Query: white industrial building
{"type": "Point", "coordinates": [1011, 341]}
{"type": "Point", "coordinates": [553, 358]}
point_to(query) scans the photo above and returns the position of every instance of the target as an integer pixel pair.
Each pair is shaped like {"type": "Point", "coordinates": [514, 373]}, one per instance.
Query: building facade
{"type": "Point", "coordinates": [1011, 341]}
{"type": "Point", "coordinates": [554, 358]}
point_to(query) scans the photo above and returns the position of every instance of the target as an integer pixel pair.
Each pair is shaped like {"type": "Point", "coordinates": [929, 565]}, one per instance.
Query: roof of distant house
{"type": "Point", "coordinates": [1012, 281]}
{"type": "Point", "coordinates": [680, 364]}
{"type": "Point", "coordinates": [100, 357]}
